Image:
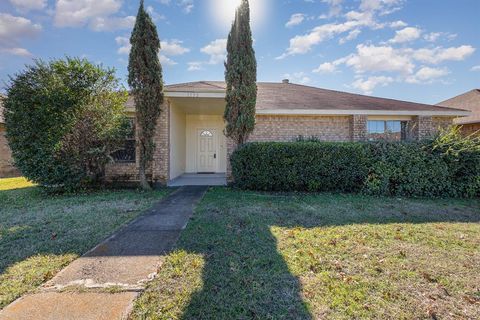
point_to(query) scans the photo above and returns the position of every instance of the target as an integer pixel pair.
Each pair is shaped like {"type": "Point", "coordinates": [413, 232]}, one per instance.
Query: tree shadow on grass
{"type": "Point", "coordinates": [246, 277]}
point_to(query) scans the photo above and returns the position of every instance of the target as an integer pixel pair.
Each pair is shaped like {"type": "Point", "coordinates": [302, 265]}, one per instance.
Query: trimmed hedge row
{"type": "Point", "coordinates": [394, 169]}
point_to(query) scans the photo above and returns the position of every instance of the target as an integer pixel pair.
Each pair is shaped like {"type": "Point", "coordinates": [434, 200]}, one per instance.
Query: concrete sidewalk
{"type": "Point", "coordinates": [126, 262]}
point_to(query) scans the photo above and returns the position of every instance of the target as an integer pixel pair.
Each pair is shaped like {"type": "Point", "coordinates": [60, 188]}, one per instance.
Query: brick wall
{"type": "Point", "coordinates": [161, 156]}
{"type": "Point", "coordinates": [441, 123]}
{"type": "Point", "coordinates": [358, 128]}
{"type": "Point", "coordinates": [158, 171]}
{"type": "Point", "coordinates": [274, 128]}
{"type": "Point", "coordinates": [471, 128]}
{"type": "Point", "coordinates": [288, 128]}
{"type": "Point", "coordinates": [6, 162]}
{"type": "Point", "coordinates": [424, 127]}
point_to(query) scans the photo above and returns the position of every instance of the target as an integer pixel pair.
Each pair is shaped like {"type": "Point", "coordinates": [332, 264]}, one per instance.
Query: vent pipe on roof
{"type": "Point", "coordinates": [285, 81]}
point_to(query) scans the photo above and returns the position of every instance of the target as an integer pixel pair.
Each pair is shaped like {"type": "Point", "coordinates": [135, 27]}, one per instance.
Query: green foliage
{"type": "Point", "coordinates": [448, 166]}
{"type": "Point", "coordinates": [305, 166]}
{"type": "Point", "coordinates": [241, 78]}
{"type": "Point", "coordinates": [406, 169]}
{"type": "Point", "coordinates": [64, 118]}
{"type": "Point", "coordinates": [146, 81]}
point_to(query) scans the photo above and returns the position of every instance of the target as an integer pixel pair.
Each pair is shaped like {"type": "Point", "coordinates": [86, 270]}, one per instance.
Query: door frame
{"type": "Point", "coordinates": [215, 143]}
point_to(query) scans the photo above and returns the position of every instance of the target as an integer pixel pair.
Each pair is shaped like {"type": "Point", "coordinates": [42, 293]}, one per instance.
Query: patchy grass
{"type": "Point", "coordinates": [251, 255]}
{"type": "Point", "coordinates": [40, 234]}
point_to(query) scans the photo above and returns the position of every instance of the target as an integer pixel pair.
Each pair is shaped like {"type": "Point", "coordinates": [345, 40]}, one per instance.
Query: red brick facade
{"type": "Point", "coordinates": [159, 169]}
{"type": "Point", "coordinates": [275, 128]}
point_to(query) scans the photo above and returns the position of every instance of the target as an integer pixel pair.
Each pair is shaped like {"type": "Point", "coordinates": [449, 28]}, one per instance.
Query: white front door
{"type": "Point", "coordinates": [206, 150]}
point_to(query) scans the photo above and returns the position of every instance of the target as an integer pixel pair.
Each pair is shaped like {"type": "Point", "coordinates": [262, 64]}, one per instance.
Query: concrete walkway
{"type": "Point", "coordinates": [198, 179]}
{"type": "Point", "coordinates": [126, 262]}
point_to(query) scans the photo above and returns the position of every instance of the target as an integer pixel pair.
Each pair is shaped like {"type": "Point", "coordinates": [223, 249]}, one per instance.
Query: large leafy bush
{"type": "Point", "coordinates": [448, 166]}
{"type": "Point", "coordinates": [310, 166]}
{"type": "Point", "coordinates": [63, 120]}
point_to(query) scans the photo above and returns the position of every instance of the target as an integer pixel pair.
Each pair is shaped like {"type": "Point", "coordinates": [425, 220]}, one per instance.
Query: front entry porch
{"type": "Point", "coordinates": [198, 155]}
{"type": "Point", "coordinates": [198, 179]}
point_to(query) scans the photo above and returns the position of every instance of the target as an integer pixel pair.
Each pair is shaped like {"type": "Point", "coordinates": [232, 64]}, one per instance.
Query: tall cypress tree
{"type": "Point", "coordinates": [241, 78]}
{"type": "Point", "coordinates": [146, 83]}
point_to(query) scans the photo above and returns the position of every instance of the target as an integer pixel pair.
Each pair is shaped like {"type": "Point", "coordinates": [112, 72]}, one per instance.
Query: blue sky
{"type": "Point", "coordinates": [419, 50]}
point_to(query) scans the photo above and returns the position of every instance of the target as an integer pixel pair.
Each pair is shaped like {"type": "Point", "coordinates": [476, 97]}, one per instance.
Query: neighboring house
{"type": "Point", "coordinates": [6, 162]}
{"type": "Point", "coordinates": [190, 137]}
{"type": "Point", "coordinates": [469, 101]}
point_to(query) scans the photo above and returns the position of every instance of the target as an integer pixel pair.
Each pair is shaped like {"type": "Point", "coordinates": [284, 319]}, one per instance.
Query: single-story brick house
{"type": "Point", "coordinates": [190, 139]}
{"type": "Point", "coordinates": [7, 169]}
{"type": "Point", "coordinates": [469, 101]}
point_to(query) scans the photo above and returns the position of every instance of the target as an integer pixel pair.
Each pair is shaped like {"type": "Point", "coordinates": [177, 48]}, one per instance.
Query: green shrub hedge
{"type": "Point", "coordinates": [437, 168]}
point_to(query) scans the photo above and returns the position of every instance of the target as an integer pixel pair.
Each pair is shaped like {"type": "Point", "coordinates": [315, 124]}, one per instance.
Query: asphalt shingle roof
{"type": "Point", "coordinates": [470, 101]}
{"type": "Point", "coordinates": [290, 96]}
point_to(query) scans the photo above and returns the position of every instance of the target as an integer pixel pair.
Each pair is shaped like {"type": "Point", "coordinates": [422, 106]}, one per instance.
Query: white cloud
{"type": "Point", "coordinates": [166, 60]}
{"type": "Point", "coordinates": [370, 58]}
{"type": "Point", "coordinates": [27, 5]}
{"type": "Point", "coordinates": [352, 35]}
{"type": "Point", "coordinates": [303, 44]}
{"type": "Point", "coordinates": [383, 7]}
{"type": "Point", "coordinates": [406, 35]}
{"type": "Point", "coordinates": [124, 44]}
{"type": "Point", "coordinates": [398, 24]}
{"type": "Point", "coordinates": [427, 75]}
{"type": "Point", "coordinates": [355, 21]}
{"type": "Point", "coordinates": [434, 36]}
{"type": "Point", "coordinates": [21, 52]}
{"type": "Point", "coordinates": [475, 68]}
{"type": "Point", "coordinates": [297, 77]}
{"type": "Point", "coordinates": [295, 20]}
{"type": "Point", "coordinates": [439, 54]}
{"type": "Point", "coordinates": [154, 14]}
{"type": "Point", "coordinates": [217, 50]}
{"type": "Point", "coordinates": [335, 8]}
{"type": "Point", "coordinates": [326, 67]}
{"type": "Point", "coordinates": [13, 28]}
{"type": "Point", "coordinates": [112, 23]}
{"type": "Point", "coordinates": [168, 48]}
{"type": "Point", "coordinates": [97, 14]}
{"type": "Point", "coordinates": [400, 61]}
{"type": "Point", "coordinates": [368, 85]}
{"type": "Point", "coordinates": [173, 48]}
{"type": "Point", "coordinates": [187, 5]}
{"type": "Point", "coordinates": [195, 66]}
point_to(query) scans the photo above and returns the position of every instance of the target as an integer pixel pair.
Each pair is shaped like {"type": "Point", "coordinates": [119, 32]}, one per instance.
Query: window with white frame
{"type": "Point", "coordinates": [395, 130]}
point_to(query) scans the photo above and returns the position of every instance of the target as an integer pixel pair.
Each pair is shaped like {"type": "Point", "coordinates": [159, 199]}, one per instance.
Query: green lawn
{"type": "Point", "coordinates": [40, 234]}
{"type": "Point", "coordinates": [249, 255]}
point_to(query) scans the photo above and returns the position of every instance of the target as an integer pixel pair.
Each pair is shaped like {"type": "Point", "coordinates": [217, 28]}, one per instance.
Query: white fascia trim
{"type": "Point", "coordinates": [193, 94]}
{"type": "Point", "coordinates": [363, 112]}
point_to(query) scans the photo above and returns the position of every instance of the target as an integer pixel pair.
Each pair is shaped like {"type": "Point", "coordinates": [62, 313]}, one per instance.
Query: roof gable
{"type": "Point", "coordinates": [469, 101]}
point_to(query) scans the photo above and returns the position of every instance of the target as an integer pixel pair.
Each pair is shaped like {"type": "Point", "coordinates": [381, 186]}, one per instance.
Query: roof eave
{"type": "Point", "coordinates": [313, 112]}
{"type": "Point", "coordinates": [219, 94]}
